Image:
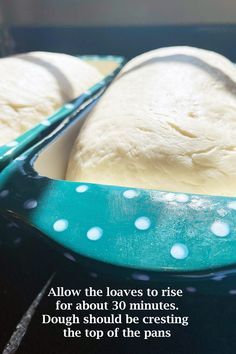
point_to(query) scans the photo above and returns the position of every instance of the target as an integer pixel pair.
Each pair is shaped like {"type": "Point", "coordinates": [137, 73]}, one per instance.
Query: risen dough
{"type": "Point", "coordinates": [34, 85]}
{"type": "Point", "coordinates": [168, 122]}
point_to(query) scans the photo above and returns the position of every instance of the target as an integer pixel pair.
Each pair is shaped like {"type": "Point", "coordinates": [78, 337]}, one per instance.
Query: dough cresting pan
{"type": "Point", "coordinates": [147, 230]}
{"type": "Point", "coordinates": [108, 65]}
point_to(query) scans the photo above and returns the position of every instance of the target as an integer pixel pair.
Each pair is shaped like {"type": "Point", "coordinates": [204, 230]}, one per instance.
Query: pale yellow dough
{"type": "Point", "coordinates": [168, 122]}
{"type": "Point", "coordinates": [34, 85]}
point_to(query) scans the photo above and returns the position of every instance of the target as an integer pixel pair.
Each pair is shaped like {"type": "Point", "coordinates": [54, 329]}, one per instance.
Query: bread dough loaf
{"type": "Point", "coordinates": [168, 122]}
{"type": "Point", "coordinates": [34, 85]}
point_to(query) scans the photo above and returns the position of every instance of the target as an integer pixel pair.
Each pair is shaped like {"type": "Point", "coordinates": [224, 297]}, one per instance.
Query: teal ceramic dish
{"type": "Point", "coordinates": [108, 65]}
{"type": "Point", "coordinates": [145, 235]}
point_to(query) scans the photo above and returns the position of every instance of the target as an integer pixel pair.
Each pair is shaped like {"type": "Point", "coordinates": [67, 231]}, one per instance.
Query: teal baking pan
{"type": "Point", "coordinates": [108, 65]}
{"type": "Point", "coordinates": [146, 235]}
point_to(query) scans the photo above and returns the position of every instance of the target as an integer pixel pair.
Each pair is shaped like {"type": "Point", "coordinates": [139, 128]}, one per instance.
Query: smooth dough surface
{"type": "Point", "coordinates": [34, 85]}
{"type": "Point", "coordinates": [168, 122]}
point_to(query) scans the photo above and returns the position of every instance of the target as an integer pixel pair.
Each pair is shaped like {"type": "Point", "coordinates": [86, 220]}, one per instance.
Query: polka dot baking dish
{"type": "Point", "coordinates": [108, 66]}
{"type": "Point", "coordinates": [144, 235]}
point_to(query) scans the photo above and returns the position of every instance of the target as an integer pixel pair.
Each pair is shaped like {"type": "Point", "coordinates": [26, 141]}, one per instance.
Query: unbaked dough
{"type": "Point", "coordinates": [168, 122]}
{"type": "Point", "coordinates": [34, 85]}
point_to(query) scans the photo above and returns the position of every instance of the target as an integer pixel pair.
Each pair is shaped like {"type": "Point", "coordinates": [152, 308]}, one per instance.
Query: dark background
{"type": "Point", "coordinates": [127, 41]}
{"type": "Point", "coordinates": [26, 263]}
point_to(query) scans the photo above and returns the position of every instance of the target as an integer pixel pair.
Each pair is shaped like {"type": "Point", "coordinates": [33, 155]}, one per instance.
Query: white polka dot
{"type": "Point", "coordinates": [142, 223]}
{"type": "Point", "coordinates": [220, 228]}
{"type": "Point", "coordinates": [87, 92]}
{"type": "Point", "coordinates": [179, 251]}
{"type": "Point", "coordinates": [12, 144]}
{"type": "Point", "coordinates": [69, 106]}
{"type": "Point", "coordinates": [60, 225]}
{"type": "Point", "coordinates": [191, 289]}
{"type": "Point", "coordinates": [182, 198]}
{"type": "Point", "coordinates": [4, 193]}
{"type": "Point", "coordinates": [232, 292]}
{"type": "Point", "coordinates": [21, 158]}
{"type": "Point", "coordinates": [130, 193]}
{"type": "Point", "coordinates": [69, 256]}
{"type": "Point", "coordinates": [46, 123]}
{"type": "Point", "coordinates": [169, 197]}
{"type": "Point", "coordinates": [95, 233]}
{"type": "Point", "coordinates": [9, 152]}
{"type": "Point", "coordinates": [140, 276]}
{"type": "Point", "coordinates": [82, 188]}
{"type": "Point", "coordinates": [30, 204]}
{"type": "Point", "coordinates": [232, 205]}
